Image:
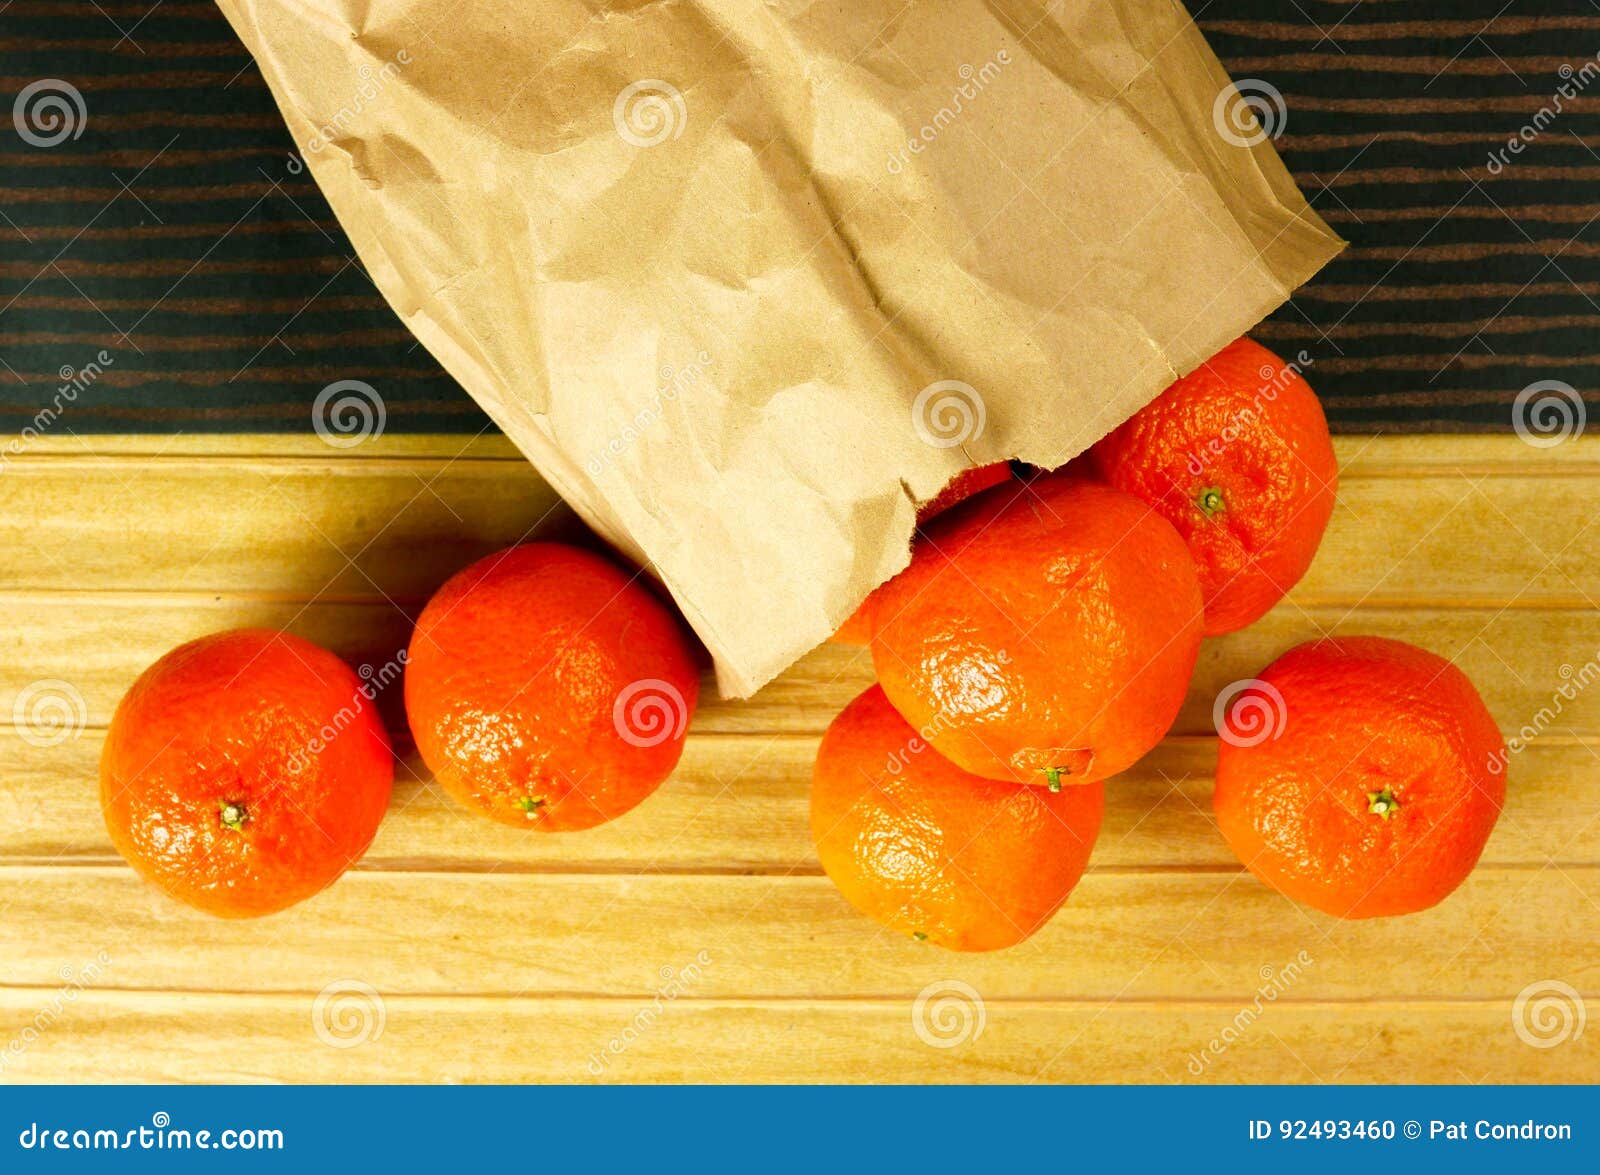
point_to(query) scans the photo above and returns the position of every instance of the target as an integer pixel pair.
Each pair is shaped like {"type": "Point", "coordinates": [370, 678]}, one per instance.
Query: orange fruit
{"type": "Point", "coordinates": [858, 629]}
{"type": "Point", "coordinates": [962, 486]}
{"type": "Point", "coordinates": [245, 771]}
{"type": "Point", "coordinates": [548, 688]}
{"type": "Point", "coordinates": [1045, 635]}
{"type": "Point", "coordinates": [925, 849]}
{"type": "Point", "coordinates": [1237, 456]}
{"type": "Point", "coordinates": [1359, 775]}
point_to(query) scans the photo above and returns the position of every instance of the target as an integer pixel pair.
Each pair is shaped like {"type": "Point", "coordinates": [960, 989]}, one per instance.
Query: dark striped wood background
{"type": "Point", "coordinates": [178, 234]}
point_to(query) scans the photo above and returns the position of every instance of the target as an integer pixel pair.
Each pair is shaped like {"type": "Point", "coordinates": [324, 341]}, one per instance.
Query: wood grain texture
{"type": "Point", "coordinates": [99, 642]}
{"type": "Point", "coordinates": [1142, 934]}
{"type": "Point", "coordinates": [116, 1036]}
{"type": "Point", "coordinates": [738, 804]}
{"type": "Point", "coordinates": [390, 525]}
{"type": "Point", "coordinates": [698, 932]}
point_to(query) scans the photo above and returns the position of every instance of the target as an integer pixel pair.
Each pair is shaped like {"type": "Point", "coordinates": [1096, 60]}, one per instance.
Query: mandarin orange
{"type": "Point", "coordinates": [925, 849]}
{"type": "Point", "coordinates": [1359, 775]}
{"type": "Point", "coordinates": [1237, 456]}
{"type": "Point", "coordinates": [245, 771]}
{"type": "Point", "coordinates": [1043, 635]}
{"type": "Point", "coordinates": [548, 688]}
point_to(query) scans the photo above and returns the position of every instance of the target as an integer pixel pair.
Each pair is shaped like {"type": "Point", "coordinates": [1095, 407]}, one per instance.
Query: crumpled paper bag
{"type": "Point", "coordinates": [748, 280]}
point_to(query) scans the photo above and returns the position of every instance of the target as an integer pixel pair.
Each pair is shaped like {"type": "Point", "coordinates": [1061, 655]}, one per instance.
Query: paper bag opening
{"type": "Point", "coordinates": [745, 280]}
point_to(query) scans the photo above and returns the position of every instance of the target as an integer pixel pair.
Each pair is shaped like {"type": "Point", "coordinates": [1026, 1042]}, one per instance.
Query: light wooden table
{"type": "Point", "coordinates": [698, 933]}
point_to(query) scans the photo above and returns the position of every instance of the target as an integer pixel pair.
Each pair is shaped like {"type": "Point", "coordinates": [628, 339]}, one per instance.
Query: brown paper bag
{"type": "Point", "coordinates": [746, 279]}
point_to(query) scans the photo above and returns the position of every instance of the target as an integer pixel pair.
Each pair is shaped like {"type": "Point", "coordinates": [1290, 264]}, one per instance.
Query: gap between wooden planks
{"type": "Point", "coordinates": [503, 955]}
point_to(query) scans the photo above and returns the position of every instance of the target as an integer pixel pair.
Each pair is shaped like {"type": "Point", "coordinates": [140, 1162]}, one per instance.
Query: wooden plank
{"type": "Point", "coordinates": [98, 643]}
{"type": "Point", "coordinates": [1467, 538]}
{"type": "Point", "coordinates": [739, 804]}
{"type": "Point", "coordinates": [504, 956]}
{"type": "Point", "coordinates": [294, 529]}
{"type": "Point", "coordinates": [1135, 935]}
{"type": "Point", "coordinates": [166, 1037]}
{"type": "Point", "coordinates": [734, 805]}
{"type": "Point", "coordinates": [1520, 660]}
{"type": "Point", "coordinates": [1404, 456]}
{"type": "Point", "coordinates": [318, 525]}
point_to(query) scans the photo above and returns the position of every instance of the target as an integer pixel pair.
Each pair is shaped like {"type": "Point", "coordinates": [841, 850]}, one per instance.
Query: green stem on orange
{"type": "Point", "coordinates": [530, 805]}
{"type": "Point", "coordinates": [1382, 803]}
{"type": "Point", "coordinates": [1209, 500]}
{"type": "Point", "coordinates": [919, 936]}
{"type": "Point", "coordinates": [1053, 776]}
{"type": "Point", "coordinates": [233, 814]}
